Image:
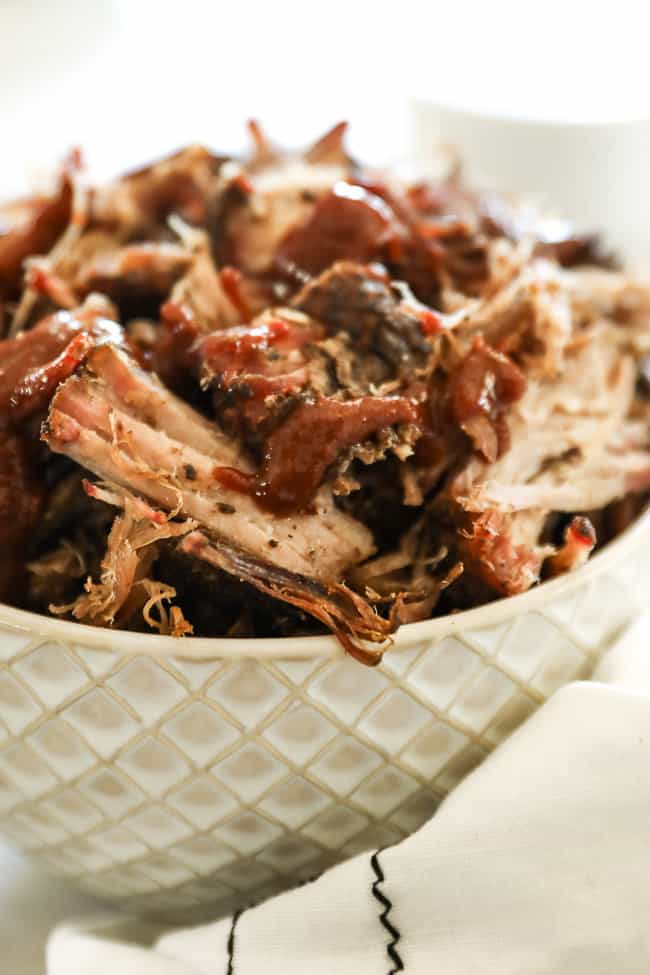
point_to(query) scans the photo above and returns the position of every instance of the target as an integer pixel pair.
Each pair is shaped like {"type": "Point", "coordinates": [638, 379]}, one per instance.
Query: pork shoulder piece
{"type": "Point", "coordinates": [131, 548]}
{"type": "Point", "coordinates": [22, 499]}
{"type": "Point", "coordinates": [139, 203]}
{"type": "Point", "coordinates": [348, 222]}
{"type": "Point", "coordinates": [344, 612]}
{"type": "Point", "coordinates": [266, 204]}
{"type": "Point", "coordinates": [149, 268]}
{"type": "Point", "coordinates": [352, 298]}
{"type": "Point", "coordinates": [579, 541]}
{"type": "Point", "coordinates": [529, 318]}
{"type": "Point", "coordinates": [503, 549]}
{"type": "Point", "coordinates": [30, 227]}
{"type": "Point", "coordinates": [119, 422]}
{"type": "Point", "coordinates": [572, 448]}
{"type": "Point", "coordinates": [35, 362]}
{"type": "Point", "coordinates": [200, 291]}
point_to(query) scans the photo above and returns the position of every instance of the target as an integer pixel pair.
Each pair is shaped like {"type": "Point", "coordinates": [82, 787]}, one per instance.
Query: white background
{"type": "Point", "coordinates": [128, 79]}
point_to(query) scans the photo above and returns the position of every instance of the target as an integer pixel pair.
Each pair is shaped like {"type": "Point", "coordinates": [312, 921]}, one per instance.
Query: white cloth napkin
{"type": "Point", "coordinates": [539, 862]}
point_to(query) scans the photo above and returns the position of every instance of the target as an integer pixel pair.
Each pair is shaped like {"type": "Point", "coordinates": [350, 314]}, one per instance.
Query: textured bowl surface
{"type": "Point", "coordinates": [182, 776]}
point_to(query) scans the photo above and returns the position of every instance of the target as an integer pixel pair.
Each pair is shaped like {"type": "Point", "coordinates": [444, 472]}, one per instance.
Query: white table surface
{"type": "Point", "coordinates": [31, 903]}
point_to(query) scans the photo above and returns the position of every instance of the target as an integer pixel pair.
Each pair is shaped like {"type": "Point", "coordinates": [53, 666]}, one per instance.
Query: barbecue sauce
{"type": "Point", "coordinates": [22, 495]}
{"type": "Point", "coordinates": [299, 452]}
{"type": "Point", "coordinates": [43, 220]}
{"type": "Point", "coordinates": [482, 388]}
{"type": "Point", "coordinates": [349, 222]}
{"type": "Point", "coordinates": [31, 367]}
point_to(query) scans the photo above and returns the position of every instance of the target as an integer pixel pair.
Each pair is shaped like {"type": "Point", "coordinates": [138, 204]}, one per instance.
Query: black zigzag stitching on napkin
{"type": "Point", "coordinates": [379, 895]}
{"type": "Point", "coordinates": [231, 943]}
{"type": "Point", "coordinates": [236, 916]}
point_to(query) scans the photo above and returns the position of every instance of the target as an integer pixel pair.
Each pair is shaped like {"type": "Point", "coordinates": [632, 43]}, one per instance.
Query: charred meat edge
{"type": "Point", "coordinates": [120, 423]}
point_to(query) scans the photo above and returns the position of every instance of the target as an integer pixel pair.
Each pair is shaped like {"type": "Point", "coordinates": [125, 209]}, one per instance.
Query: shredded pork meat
{"type": "Point", "coordinates": [281, 392]}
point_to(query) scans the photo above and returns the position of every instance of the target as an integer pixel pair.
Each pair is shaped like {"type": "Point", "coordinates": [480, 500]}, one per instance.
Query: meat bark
{"type": "Point", "coordinates": [286, 360]}
{"type": "Point", "coordinates": [121, 424]}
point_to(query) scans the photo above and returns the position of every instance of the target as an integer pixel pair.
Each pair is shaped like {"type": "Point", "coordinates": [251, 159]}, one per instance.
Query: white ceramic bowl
{"type": "Point", "coordinates": [573, 166]}
{"type": "Point", "coordinates": [177, 776]}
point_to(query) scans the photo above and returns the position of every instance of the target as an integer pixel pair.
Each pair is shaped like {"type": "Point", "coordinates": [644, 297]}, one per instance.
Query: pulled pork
{"type": "Point", "coordinates": [284, 392]}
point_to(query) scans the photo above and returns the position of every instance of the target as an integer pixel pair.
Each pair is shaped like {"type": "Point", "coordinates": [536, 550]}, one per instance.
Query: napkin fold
{"type": "Point", "coordinates": [538, 862]}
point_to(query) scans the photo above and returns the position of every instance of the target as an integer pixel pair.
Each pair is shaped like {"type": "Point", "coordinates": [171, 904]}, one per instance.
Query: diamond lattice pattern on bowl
{"type": "Point", "coordinates": [176, 784]}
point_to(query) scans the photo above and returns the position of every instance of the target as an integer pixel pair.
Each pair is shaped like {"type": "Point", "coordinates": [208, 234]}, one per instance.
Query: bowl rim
{"type": "Point", "coordinates": [598, 124]}
{"type": "Point", "coordinates": [127, 643]}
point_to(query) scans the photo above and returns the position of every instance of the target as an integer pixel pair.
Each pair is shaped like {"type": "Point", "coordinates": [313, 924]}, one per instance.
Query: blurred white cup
{"type": "Point", "coordinates": [596, 173]}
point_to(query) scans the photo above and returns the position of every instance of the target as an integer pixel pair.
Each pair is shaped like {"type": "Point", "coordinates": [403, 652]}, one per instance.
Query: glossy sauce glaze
{"type": "Point", "coordinates": [299, 452]}
{"type": "Point", "coordinates": [33, 228]}
{"type": "Point", "coordinates": [482, 389]}
{"type": "Point", "coordinates": [349, 222]}
{"type": "Point", "coordinates": [32, 366]}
